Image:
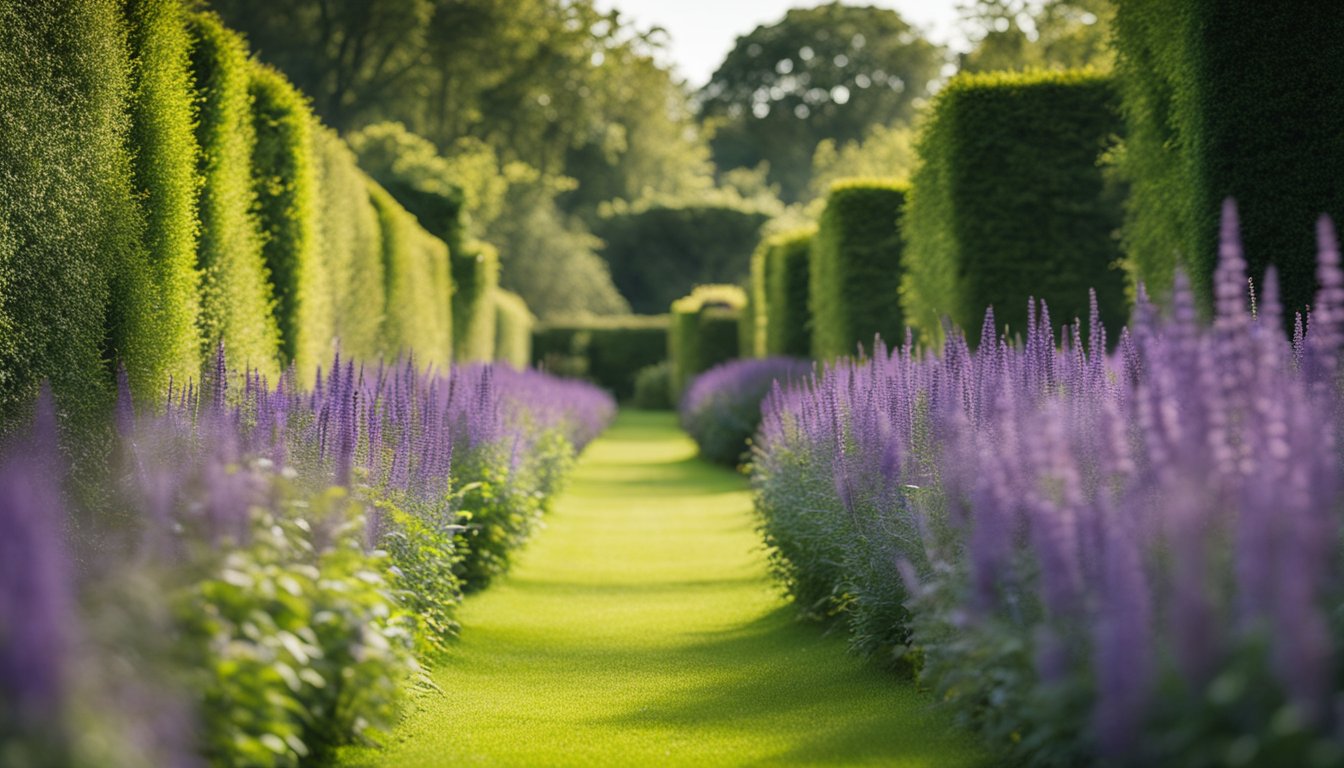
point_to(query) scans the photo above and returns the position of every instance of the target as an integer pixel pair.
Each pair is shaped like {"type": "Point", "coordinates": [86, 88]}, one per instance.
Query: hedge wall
{"type": "Point", "coordinates": [608, 350]}
{"type": "Point", "coordinates": [1010, 202]}
{"type": "Point", "coordinates": [476, 277]}
{"type": "Point", "coordinates": [780, 277]}
{"type": "Point", "coordinates": [704, 330]}
{"type": "Point", "coordinates": [659, 253]}
{"type": "Point", "coordinates": [1226, 99]}
{"type": "Point", "coordinates": [414, 266]}
{"type": "Point", "coordinates": [513, 329]}
{"type": "Point", "coordinates": [236, 302]}
{"type": "Point", "coordinates": [855, 266]}
{"type": "Point", "coordinates": [66, 212]}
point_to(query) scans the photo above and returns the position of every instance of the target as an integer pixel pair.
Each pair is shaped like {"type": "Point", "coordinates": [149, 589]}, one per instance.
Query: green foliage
{"type": "Point", "coordinates": [513, 329]}
{"type": "Point", "coordinates": [156, 294]}
{"type": "Point", "coordinates": [1038, 34]}
{"type": "Point", "coordinates": [67, 218]}
{"type": "Point", "coordinates": [410, 168]}
{"type": "Point", "coordinates": [885, 151]}
{"type": "Point", "coordinates": [476, 277]}
{"type": "Point", "coordinates": [828, 72]}
{"type": "Point", "coordinates": [420, 544]}
{"type": "Point", "coordinates": [236, 302]}
{"type": "Point", "coordinates": [419, 318]}
{"type": "Point", "coordinates": [704, 331]}
{"type": "Point", "coordinates": [609, 351]}
{"type": "Point", "coordinates": [652, 387]}
{"type": "Point", "coordinates": [780, 273]}
{"type": "Point", "coordinates": [1224, 100]}
{"type": "Point", "coordinates": [658, 252]}
{"type": "Point", "coordinates": [1010, 203]}
{"type": "Point", "coordinates": [855, 267]}
{"type": "Point", "coordinates": [351, 246]}
{"type": "Point", "coordinates": [286, 192]}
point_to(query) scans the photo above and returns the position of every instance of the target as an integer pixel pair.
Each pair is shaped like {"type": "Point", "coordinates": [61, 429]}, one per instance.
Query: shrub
{"type": "Point", "coordinates": [652, 391]}
{"type": "Point", "coordinates": [721, 409]}
{"type": "Point", "coordinates": [237, 309]}
{"type": "Point", "coordinates": [780, 272]}
{"type": "Point", "coordinates": [1009, 202]}
{"type": "Point", "coordinates": [286, 194]}
{"type": "Point", "coordinates": [704, 332]}
{"type": "Point", "coordinates": [607, 350]}
{"type": "Point", "coordinates": [855, 266]}
{"type": "Point", "coordinates": [513, 329]}
{"type": "Point", "coordinates": [476, 277]}
{"type": "Point", "coordinates": [1221, 100]}
{"type": "Point", "coordinates": [416, 309]}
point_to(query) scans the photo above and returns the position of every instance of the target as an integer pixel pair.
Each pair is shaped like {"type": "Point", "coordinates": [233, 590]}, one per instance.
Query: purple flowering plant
{"type": "Point", "coordinates": [721, 408]}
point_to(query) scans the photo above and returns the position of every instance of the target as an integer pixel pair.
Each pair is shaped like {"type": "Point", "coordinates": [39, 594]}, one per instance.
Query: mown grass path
{"type": "Point", "coordinates": [641, 629]}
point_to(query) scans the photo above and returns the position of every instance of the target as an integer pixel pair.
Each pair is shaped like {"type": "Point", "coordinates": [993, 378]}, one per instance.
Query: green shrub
{"type": "Point", "coordinates": [1224, 99]}
{"type": "Point", "coordinates": [412, 171]}
{"type": "Point", "coordinates": [704, 331]}
{"type": "Point", "coordinates": [1009, 203]}
{"type": "Point", "coordinates": [476, 277]}
{"type": "Point", "coordinates": [416, 314]}
{"type": "Point", "coordinates": [158, 290]}
{"type": "Point", "coordinates": [513, 329]}
{"type": "Point", "coordinates": [286, 193]}
{"type": "Point", "coordinates": [658, 253]}
{"type": "Point", "coordinates": [608, 350]}
{"type": "Point", "coordinates": [236, 304]}
{"type": "Point", "coordinates": [780, 271]}
{"type": "Point", "coordinates": [67, 218]}
{"type": "Point", "coordinates": [855, 267]}
{"type": "Point", "coordinates": [351, 244]}
{"type": "Point", "coordinates": [651, 387]}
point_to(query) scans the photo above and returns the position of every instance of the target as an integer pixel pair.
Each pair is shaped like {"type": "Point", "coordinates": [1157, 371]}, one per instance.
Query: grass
{"type": "Point", "coordinates": [641, 628]}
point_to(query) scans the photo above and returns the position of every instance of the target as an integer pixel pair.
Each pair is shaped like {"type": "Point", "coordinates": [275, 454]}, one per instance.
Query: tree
{"type": "Point", "coordinates": [1037, 34]}
{"type": "Point", "coordinates": [886, 151]}
{"type": "Point", "coordinates": [821, 73]}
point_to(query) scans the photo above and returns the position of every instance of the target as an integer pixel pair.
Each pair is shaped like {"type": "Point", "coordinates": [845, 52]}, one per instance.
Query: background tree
{"type": "Point", "coordinates": [1037, 34]}
{"type": "Point", "coordinates": [828, 72]}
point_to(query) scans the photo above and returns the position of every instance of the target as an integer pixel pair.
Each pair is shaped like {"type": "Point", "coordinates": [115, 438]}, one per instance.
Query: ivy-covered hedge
{"type": "Point", "coordinates": [608, 350]}
{"type": "Point", "coordinates": [476, 278]}
{"type": "Point", "coordinates": [855, 267]}
{"type": "Point", "coordinates": [705, 330]}
{"type": "Point", "coordinates": [1225, 99]}
{"type": "Point", "coordinates": [513, 329]}
{"type": "Point", "coordinates": [779, 281]}
{"type": "Point", "coordinates": [1010, 202]}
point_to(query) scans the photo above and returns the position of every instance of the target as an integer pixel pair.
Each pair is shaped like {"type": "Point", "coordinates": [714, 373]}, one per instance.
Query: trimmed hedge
{"type": "Point", "coordinates": [780, 278]}
{"type": "Point", "coordinates": [705, 330]}
{"type": "Point", "coordinates": [157, 292]}
{"type": "Point", "coordinates": [513, 329]}
{"type": "Point", "coordinates": [286, 192]}
{"type": "Point", "coordinates": [1010, 202]}
{"type": "Point", "coordinates": [66, 212]}
{"type": "Point", "coordinates": [236, 304]}
{"type": "Point", "coordinates": [855, 266]}
{"type": "Point", "coordinates": [414, 266]}
{"type": "Point", "coordinates": [476, 277]}
{"type": "Point", "coordinates": [1225, 99]}
{"type": "Point", "coordinates": [608, 350]}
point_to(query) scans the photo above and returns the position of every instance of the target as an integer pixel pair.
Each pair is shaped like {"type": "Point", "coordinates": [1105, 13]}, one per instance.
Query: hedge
{"type": "Point", "coordinates": [608, 350]}
{"type": "Point", "coordinates": [156, 293]}
{"type": "Point", "coordinates": [1010, 202]}
{"type": "Point", "coordinates": [513, 329]}
{"type": "Point", "coordinates": [704, 331]}
{"type": "Point", "coordinates": [236, 303]}
{"type": "Point", "coordinates": [1225, 99]}
{"type": "Point", "coordinates": [351, 242]}
{"type": "Point", "coordinates": [780, 271]}
{"type": "Point", "coordinates": [658, 253]}
{"type": "Point", "coordinates": [476, 277]}
{"type": "Point", "coordinates": [410, 168]}
{"type": "Point", "coordinates": [66, 210]}
{"type": "Point", "coordinates": [414, 265]}
{"type": "Point", "coordinates": [855, 267]}
{"type": "Point", "coordinates": [286, 191]}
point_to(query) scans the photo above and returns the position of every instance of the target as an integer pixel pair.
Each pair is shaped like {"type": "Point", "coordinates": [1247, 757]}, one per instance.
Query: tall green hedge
{"type": "Point", "coordinates": [780, 272]}
{"type": "Point", "coordinates": [704, 331]}
{"type": "Point", "coordinates": [1233, 98]}
{"type": "Point", "coordinates": [1010, 202]}
{"type": "Point", "coordinates": [476, 278]}
{"type": "Point", "coordinates": [855, 267]}
{"type": "Point", "coordinates": [513, 329]}
{"type": "Point", "coordinates": [608, 349]}
{"type": "Point", "coordinates": [418, 289]}
{"type": "Point", "coordinates": [286, 192]}
{"type": "Point", "coordinates": [236, 302]}
{"type": "Point", "coordinates": [67, 217]}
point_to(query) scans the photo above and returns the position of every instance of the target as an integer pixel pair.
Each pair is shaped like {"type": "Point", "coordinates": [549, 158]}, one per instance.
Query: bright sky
{"type": "Point", "coordinates": [703, 31]}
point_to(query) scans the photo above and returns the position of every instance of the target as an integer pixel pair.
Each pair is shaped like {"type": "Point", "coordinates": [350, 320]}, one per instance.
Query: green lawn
{"type": "Point", "coordinates": [640, 628]}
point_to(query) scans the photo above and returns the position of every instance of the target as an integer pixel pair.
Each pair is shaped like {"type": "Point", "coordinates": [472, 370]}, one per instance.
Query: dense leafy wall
{"type": "Point", "coordinates": [704, 331]}
{"type": "Point", "coordinates": [416, 321]}
{"type": "Point", "coordinates": [609, 350]}
{"type": "Point", "coordinates": [476, 277]}
{"type": "Point", "coordinates": [513, 329]}
{"type": "Point", "coordinates": [780, 272]}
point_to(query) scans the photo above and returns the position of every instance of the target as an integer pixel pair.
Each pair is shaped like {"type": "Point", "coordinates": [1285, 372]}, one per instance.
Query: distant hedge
{"type": "Point", "coordinates": [704, 331]}
{"type": "Point", "coordinates": [780, 294]}
{"type": "Point", "coordinates": [1010, 202]}
{"type": "Point", "coordinates": [1226, 99]}
{"type": "Point", "coordinates": [608, 350]}
{"type": "Point", "coordinates": [236, 302]}
{"type": "Point", "coordinates": [658, 253]}
{"type": "Point", "coordinates": [513, 329]}
{"type": "Point", "coordinates": [476, 278]}
{"type": "Point", "coordinates": [855, 267]}
{"type": "Point", "coordinates": [418, 319]}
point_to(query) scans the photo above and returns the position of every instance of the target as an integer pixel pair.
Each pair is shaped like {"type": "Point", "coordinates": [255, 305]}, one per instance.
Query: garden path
{"type": "Point", "coordinates": [641, 629]}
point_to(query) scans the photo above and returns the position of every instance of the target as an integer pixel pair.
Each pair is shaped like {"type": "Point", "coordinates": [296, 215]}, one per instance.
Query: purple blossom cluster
{"type": "Point", "coordinates": [1131, 555]}
{"type": "Point", "coordinates": [721, 409]}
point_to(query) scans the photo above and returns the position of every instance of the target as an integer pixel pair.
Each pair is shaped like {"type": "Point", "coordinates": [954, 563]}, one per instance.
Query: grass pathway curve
{"type": "Point", "coordinates": [641, 629]}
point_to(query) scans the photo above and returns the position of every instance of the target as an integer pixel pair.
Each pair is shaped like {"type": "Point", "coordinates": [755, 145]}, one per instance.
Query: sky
{"type": "Point", "coordinates": [703, 31]}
